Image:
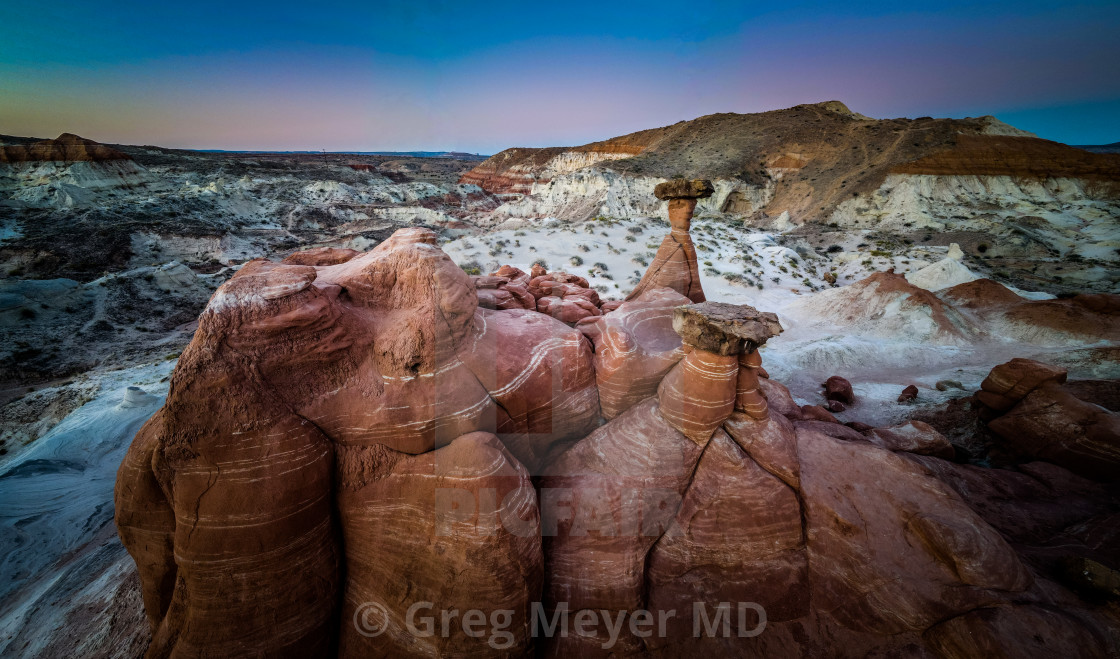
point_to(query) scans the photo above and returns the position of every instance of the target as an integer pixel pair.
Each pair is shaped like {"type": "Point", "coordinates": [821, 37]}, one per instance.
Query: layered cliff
{"type": "Point", "coordinates": [66, 171]}
{"type": "Point", "coordinates": [806, 161]}
{"type": "Point", "coordinates": [67, 147]}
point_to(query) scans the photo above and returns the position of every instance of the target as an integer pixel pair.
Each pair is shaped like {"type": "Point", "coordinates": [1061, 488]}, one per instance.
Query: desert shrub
{"type": "Point", "coordinates": [575, 260]}
{"type": "Point", "coordinates": [832, 249]}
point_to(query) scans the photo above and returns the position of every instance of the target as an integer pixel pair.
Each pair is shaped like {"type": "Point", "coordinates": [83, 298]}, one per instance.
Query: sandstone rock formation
{"type": "Point", "coordinates": [345, 443]}
{"type": "Point", "coordinates": [635, 346]}
{"type": "Point", "coordinates": [300, 378]}
{"type": "Point", "coordinates": [1026, 405]}
{"type": "Point", "coordinates": [675, 266]}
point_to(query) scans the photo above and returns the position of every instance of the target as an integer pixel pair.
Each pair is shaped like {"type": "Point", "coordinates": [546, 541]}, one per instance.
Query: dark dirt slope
{"type": "Point", "coordinates": [826, 153]}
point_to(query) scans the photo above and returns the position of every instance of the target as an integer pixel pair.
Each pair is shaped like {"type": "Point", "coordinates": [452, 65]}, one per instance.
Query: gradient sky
{"type": "Point", "coordinates": [484, 76]}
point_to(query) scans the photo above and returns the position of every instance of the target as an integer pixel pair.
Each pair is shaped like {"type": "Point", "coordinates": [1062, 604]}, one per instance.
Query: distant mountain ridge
{"type": "Point", "coordinates": [1100, 148]}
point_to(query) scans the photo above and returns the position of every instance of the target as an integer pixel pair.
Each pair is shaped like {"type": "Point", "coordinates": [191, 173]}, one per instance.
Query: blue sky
{"type": "Point", "coordinates": [484, 76]}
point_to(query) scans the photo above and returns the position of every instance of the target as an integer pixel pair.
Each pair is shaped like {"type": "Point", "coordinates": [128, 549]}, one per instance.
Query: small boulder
{"type": "Point", "coordinates": [839, 389]}
{"type": "Point", "coordinates": [835, 406]}
{"type": "Point", "coordinates": [908, 394]}
{"type": "Point", "coordinates": [1018, 377]}
{"type": "Point", "coordinates": [945, 385]}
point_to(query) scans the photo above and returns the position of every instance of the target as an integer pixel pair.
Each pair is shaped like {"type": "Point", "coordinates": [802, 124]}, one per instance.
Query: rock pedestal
{"type": "Point", "coordinates": [719, 374]}
{"type": "Point", "coordinates": [675, 265]}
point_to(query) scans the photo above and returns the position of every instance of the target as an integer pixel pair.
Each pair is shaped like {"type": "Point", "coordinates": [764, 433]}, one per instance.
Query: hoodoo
{"type": "Point", "coordinates": [675, 264]}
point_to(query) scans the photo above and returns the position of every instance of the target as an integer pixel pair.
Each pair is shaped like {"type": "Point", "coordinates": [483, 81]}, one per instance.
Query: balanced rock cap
{"type": "Point", "coordinates": [680, 188]}
{"type": "Point", "coordinates": [725, 329]}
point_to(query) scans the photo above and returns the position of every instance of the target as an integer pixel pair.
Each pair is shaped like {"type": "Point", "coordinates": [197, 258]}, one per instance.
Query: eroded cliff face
{"type": "Point", "coordinates": [66, 171]}
{"type": "Point", "coordinates": [519, 171]}
{"type": "Point", "coordinates": [595, 191]}
{"type": "Point", "coordinates": [349, 449]}
{"type": "Point", "coordinates": [823, 163]}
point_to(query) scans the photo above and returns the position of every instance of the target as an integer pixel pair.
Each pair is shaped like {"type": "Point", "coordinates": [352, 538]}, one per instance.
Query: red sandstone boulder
{"type": "Point", "coordinates": [569, 310]}
{"type": "Point", "coordinates": [610, 497]}
{"type": "Point", "coordinates": [835, 406]}
{"type": "Point", "coordinates": [737, 537]}
{"type": "Point", "coordinates": [908, 394]}
{"type": "Point", "coordinates": [1009, 383]}
{"type": "Point", "coordinates": [1017, 631]}
{"type": "Point", "coordinates": [635, 347]}
{"type": "Point", "coordinates": [283, 372]}
{"type": "Point", "coordinates": [892, 549]}
{"type": "Point", "coordinates": [496, 292]}
{"type": "Point", "coordinates": [1053, 425]}
{"type": "Point", "coordinates": [835, 430]}
{"type": "Point", "coordinates": [225, 449]}
{"type": "Point", "coordinates": [772, 443]}
{"type": "Point", "coordinates": [838, 389]}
